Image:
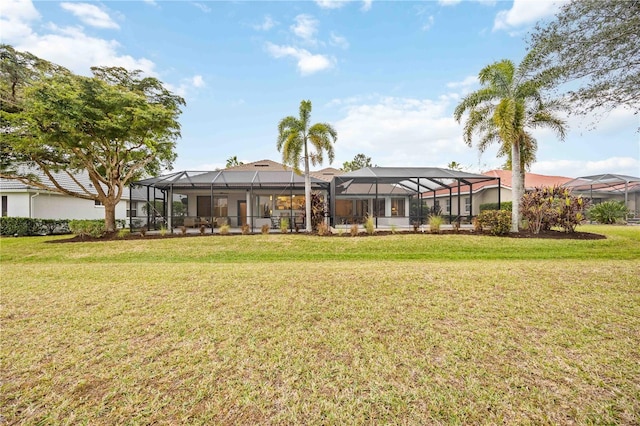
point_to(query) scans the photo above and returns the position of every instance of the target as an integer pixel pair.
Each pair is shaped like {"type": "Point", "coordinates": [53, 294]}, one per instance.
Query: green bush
{"type": "Point", "coordinates": [498, 220]}
{"type": "Point", "coordinates": [506, 205]}
{"type": "Point", "coordinates": [608, 212]}
{"type": "Point", "coordinates": [20, 226]}
{"type": "Point", "coordinates": [93, 228]}
{"type": "Point", "coordinates": [435, 222]}
{"type": "Point", "coordinates": [370, 225]}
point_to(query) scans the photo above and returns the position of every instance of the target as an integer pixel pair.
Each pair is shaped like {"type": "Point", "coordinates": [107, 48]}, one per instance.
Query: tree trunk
{"type": "Point", "coordinates": [307, 191]}
{"type": "Point", "coordinates": [517, 185]}
{"type": "Point", "coordinates": [110, 216]}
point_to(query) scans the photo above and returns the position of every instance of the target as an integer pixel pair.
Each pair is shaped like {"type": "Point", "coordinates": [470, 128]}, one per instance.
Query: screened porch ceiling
{"type": "Point", "coordinates": [408, 180]}
{"type": "Point", "coordinates": [231, 179]}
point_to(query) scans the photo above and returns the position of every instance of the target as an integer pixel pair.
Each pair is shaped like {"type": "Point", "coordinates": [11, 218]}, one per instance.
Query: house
{"type": "Point", "coordinates": [22, 200]}
{"type": "Point", "coordinates": [468, 204]}
{"type": "Point", "coordinates": [266, 192]}
{"type": "Point", "coordinates": [598, 188]}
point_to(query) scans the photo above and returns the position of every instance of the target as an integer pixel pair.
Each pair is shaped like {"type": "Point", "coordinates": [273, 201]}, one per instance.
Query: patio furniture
{"type": "Point", "coordinates": [275, 222]}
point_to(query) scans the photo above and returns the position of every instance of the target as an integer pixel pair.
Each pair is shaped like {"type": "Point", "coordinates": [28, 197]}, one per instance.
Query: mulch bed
{"type": "Point", "coordinates": [555, 235]}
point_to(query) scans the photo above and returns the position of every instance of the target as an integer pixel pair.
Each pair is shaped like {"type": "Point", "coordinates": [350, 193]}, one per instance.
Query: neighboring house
{"type": "Point", "coordinates": [599, 188]}
{"type": "Point", "coordinates": [21, 200]}
{"type": "Point", "coordinates": [609, 187]}
{"type": "Point", "coordinates": [486, 192]}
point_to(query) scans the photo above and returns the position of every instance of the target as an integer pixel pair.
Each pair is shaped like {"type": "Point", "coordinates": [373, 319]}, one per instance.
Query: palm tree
{"type": "Point", "coordinates": [233, 161]}
{"type": "Point", "coordinates": [294, 134]}
{"type": "Point", "coordinates": [508, 104]}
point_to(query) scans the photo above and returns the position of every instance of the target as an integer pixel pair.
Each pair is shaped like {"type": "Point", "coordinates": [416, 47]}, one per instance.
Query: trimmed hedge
{"type": "Point", "coordinates": [24, 226]}
{"type": "Point", "coordinates": [19, 226]}
{"type": "Point", "coordinates": [505, 205]}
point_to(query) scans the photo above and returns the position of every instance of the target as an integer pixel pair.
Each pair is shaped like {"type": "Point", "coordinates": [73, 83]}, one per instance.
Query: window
{"type": "Point", "coordinates": [447, 207]}
{"type": "Point", "coordinates": [397, 207]}
{"type": "Point", "coordinates": [467, 204]}
{"type": "Point", "coordinates": [220, 208]}
{"type": "Point", "coordinates": [5, 205]}
{"type": "Point", "coordinates": [132, 212]}
{"type": "Point", "coordinates": [98, 203]}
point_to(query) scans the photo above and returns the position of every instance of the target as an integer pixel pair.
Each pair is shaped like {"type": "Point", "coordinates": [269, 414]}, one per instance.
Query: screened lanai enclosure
{"type": "Point", "coordinates": [233, 197]}
{"type": "Point", "coordinates": [393, 196]}
{"type": "Point", "coordinates": [401, 196]}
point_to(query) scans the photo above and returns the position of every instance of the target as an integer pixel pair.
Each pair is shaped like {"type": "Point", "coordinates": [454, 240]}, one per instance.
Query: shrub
{"type": "Point", "coordinates": [435, 222]}
{"type": "Point", "coordinates": [505, 205]}
{"type": "Point", "coordinates": [20, 226]}
{"type": "Point", "coordinates": [54, 226]}
{"type": "Point", "coordinates": [477, 225]}
{"type": "Point", "coordinates": [92, 228]}
{"type": "Point", "coordinates": [394, 229]}
{"type": "Point", "coordinates": [163, 230]}
{"type": "Point", "coordinates": [551, 206]}
{"type": "Point", "coordinates": [225, 229]}
{"type": "Point", "coordinates": [323, 229]}
{"type": "Point", "coordinates": [284, 225]}
{"type": "Point", "coordinates": [608, 212]}
{"type": "Point", "coordinates": [369, 225]}
{"type": "Point", "coordinates": [498, 220]}
{"type": "Point", "coordinates": [122, 233]}
{"type": "Point", "coordinates": [265, 229]}
{"type": "Point", "coordinates": [354, 229]}
{"type": "Point", "coordinates": [246, 229]}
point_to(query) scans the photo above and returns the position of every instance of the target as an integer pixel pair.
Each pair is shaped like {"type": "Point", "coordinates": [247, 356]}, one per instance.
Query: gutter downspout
{"type": "Point", "coordinates": [31, 209]}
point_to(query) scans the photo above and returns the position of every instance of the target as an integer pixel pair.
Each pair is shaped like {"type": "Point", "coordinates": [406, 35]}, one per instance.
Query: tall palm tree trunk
{"type": "Point", "coordinates": [307, 190]}
{"type": "Point", "coordinates": [517, 185]}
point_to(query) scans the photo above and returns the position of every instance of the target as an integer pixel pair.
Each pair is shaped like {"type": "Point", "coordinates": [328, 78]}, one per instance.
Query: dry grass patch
{"type": "Point", "coordinates": [315, 343]}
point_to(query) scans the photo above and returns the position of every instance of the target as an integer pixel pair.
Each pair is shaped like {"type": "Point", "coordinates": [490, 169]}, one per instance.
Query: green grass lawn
{"type": "Point", "coordinates": [292, 329]}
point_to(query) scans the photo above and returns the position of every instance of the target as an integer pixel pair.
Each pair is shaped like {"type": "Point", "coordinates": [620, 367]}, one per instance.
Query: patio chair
{"type": "Point", "coordinates": [275, 222]}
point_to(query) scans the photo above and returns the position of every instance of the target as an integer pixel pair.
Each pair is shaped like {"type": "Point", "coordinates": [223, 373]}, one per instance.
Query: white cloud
{"type": "Point", "coordinates": [305, 27]}
{"type": "Point", "coordinates": [464, 84]}
{"type": "Point", "coordinates": [90, 14]}
{"type": "Point", "coordinates": [67, 46]}
{"type": "Point", "coordinates": [266, 24]}
{"type": "Point", "coordinates": [187, 85]}
{"type": "Point", "coordinates": [197, 81]}
{"type": "Point", "coordinates": [449, 2]}
{"type": "Point", "coordinates": [366, 5]}
{"type": "Point", "coordinates": [428, 24]}
{"type": "Point", "coordinates": [524, 12]}
{"type": "Point", "coordinates": [308, 63]}
{"type": "Point", "coordinates": [151, 2]}
{"type": "Point", "coordinates": [15, 19]}
{"type": "Point", "coordinates": [578, 168]}
{"type": "Point", "coordinates": [400, 131]}
{"type": "Point", "coordinates": [339, 41]}
{"type": "Point", "coordinates": [203, 7]}
{"type": "Point", "coordinates": [331, 4]}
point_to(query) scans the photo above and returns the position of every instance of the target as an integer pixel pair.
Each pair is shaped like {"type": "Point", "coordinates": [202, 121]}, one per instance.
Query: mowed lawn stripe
{"type": "Point", "coordinates": [317, 342]}
{"type": "Point", "coordinates": [622, 243]}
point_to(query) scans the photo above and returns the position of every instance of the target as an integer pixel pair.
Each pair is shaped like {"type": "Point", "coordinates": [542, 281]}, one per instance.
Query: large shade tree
{"type": "Point", "coordinates": [504, 110]}
{"type": "Point", "coordinates": [115, 126]}
{"type": "Point", "coordinates": [594, 46]}
{"type": "Point", "coordinates": [295, 134]}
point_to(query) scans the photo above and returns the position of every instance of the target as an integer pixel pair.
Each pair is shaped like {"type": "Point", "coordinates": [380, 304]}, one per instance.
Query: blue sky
{"type": "Point", "coordinates": [386, 74]}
